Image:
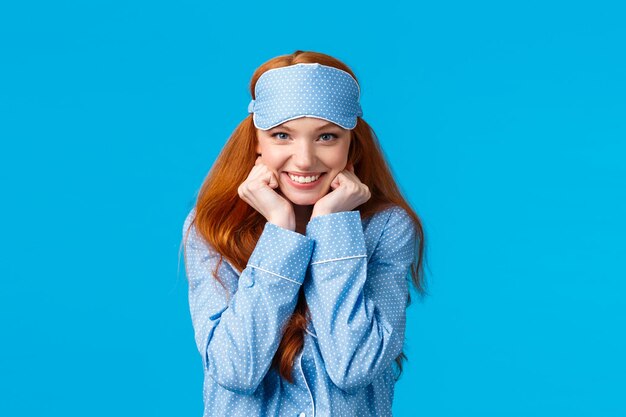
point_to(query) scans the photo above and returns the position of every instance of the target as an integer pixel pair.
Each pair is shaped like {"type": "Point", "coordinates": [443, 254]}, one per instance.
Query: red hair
{"type": "Point", "coordinates": [232, 227]}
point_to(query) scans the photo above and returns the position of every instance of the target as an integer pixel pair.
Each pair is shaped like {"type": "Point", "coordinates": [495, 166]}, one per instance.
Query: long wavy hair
{"type": "Point", "coordinates": [232, 227]}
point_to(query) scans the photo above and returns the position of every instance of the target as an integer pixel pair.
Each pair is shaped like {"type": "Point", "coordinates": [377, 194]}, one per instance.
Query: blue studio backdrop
{"type": "Point", "coordinates": [503, 123]}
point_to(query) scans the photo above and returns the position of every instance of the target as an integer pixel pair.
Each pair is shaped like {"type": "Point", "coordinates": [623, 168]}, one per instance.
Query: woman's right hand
{"type": "Point", "coordinates": [258, 191]}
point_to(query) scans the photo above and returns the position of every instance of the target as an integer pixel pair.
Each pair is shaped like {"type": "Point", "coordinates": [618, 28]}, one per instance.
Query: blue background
{"type": "Point", "coordinates": [503, 123]}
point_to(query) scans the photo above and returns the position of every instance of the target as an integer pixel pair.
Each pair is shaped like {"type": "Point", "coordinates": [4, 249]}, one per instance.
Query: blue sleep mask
{"type": "Point", "coordinates": [312, 90]}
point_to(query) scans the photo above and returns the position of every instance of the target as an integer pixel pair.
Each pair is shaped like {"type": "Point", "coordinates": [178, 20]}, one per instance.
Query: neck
{"type": "Point", "coordinates": [303, 215]}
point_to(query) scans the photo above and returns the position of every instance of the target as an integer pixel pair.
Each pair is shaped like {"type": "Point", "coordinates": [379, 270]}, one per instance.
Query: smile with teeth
{"type": "Point", "coordinates": [303, 180]}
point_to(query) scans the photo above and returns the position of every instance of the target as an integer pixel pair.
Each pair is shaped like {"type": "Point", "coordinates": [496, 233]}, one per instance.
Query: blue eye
{"type": "Point", "coordinates": [332, 136]}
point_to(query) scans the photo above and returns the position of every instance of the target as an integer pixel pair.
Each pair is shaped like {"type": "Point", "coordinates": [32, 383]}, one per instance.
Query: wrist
{"type": "Point", "coordinates": [284, 223]}
{"type": "Point", "coordinates": [320, 212]}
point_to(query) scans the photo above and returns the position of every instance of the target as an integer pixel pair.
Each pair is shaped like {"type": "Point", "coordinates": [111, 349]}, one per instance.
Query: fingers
{"type": "Point", "coordinates": [272, 182]}
{"type": "Point", "coordinates": [262, 172]}
{"type": "Point", "coordinates": [338, 180]}
{"type": "Point", "coordinates": [347, 178]}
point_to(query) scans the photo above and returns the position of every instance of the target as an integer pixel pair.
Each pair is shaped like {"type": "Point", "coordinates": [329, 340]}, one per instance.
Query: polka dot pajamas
{"type": "Point", "coordinates": [354, 276]}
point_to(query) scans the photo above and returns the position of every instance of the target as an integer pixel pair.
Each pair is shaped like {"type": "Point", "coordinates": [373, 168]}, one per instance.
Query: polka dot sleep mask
{"type": "Point", "coordinates": [300, 90]}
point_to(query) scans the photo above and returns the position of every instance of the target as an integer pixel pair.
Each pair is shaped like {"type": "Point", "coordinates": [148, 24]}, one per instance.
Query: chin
{"type": "Point", "coordinates": [300, 200]}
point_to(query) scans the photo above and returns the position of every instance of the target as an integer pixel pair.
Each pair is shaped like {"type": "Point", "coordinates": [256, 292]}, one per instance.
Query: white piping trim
{"type": "Point", "coordinates": [306, 330]}
{"type": "Point", "coordinates": [273, 273]}
{"type": "Point", "coordinates": [339, 259]}
{"type": "Point", "coordinates": [305, 383]}
{"type": "Point", "coordinates": [299, 116]}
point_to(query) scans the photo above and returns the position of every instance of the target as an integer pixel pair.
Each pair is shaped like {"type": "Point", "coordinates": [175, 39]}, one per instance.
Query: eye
{"type": "Point", "coordinates": [331, 136]}
{"type": "Point", "coordinates": [275, 135]}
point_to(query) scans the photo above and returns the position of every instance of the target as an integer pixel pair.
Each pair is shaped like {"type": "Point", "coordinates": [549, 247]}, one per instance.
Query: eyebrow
{"type": "Point", "coordinates": [327, 125]}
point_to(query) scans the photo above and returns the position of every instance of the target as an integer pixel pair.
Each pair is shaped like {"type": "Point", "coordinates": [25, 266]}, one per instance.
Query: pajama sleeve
{"type": "Point", "coordinates": [237, 339]}
{"type": "Point", "coordinates": [358, 307]}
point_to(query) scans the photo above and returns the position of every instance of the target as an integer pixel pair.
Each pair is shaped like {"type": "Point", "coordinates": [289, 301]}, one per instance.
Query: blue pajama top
{"type": "Point", "coordinates": [354, 274]}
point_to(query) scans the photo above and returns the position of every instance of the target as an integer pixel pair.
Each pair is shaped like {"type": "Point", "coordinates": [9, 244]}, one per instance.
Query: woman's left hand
{"type": "Point", "coordinates": [348, 192]}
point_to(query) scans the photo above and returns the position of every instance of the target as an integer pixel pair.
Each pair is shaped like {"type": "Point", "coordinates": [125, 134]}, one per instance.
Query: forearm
{"type": "Point", "coordinates": [357, 304]}
{"type": "Point", "coordinates": [238, 339]}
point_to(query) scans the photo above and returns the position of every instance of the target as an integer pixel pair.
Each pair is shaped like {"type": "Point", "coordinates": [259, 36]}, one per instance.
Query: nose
{"type": "Point", "coordinates": [304, 156]}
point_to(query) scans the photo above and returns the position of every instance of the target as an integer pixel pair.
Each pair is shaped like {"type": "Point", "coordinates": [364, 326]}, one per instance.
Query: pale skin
{"type": "Point", "coordinates": [308, 146]}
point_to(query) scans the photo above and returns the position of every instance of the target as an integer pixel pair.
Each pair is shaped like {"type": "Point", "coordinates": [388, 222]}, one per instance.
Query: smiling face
{"type": "Point", "coordinates": [312, 149]}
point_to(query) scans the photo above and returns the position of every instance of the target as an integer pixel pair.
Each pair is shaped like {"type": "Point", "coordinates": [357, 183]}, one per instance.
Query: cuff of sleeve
{"type": "Point", "coordinates": [337, 235]}
{"type": "Point", "coordinates": [282, 252]}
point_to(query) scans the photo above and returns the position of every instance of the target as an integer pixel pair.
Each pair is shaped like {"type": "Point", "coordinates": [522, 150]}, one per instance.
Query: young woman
{"type": "Point", "coordinates": [297, 254]}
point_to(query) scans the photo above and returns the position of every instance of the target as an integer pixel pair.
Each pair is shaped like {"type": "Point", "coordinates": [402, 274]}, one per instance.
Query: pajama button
{"type": "Point", "coordinates": [302, 415]}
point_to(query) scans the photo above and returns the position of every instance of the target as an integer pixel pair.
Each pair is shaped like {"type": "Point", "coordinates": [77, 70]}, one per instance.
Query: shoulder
{"type": "Point", "coordinates": [195, 242]}
{"type": "Point", "coordinates": [188, 219]}
{"type": "Point", "coordinates": [191, 238]}
{"type": "Point", "coordinates": [393, 216]}
{"type": "Point", "coordinates": [396, 228]}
